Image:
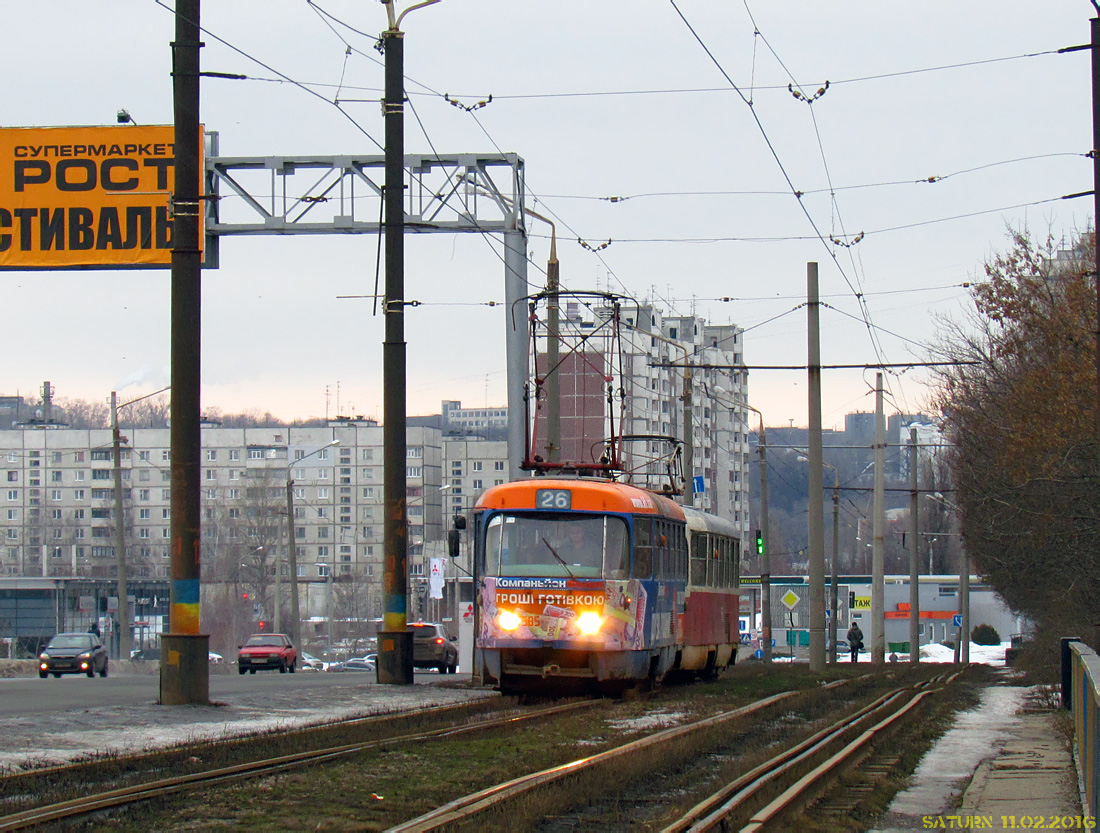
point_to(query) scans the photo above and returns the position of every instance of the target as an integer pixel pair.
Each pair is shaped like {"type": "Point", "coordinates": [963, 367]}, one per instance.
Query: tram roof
{"type": "Point", "coordinates": [587, 495]}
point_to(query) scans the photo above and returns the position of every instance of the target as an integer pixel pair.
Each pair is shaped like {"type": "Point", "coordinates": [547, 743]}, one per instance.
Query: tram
{"type": "Point", "coordinates": [588, 584]}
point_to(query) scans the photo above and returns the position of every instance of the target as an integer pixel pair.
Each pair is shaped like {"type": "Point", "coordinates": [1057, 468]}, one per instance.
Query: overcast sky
{"type": "Point", "coordinates": [1009, 136]}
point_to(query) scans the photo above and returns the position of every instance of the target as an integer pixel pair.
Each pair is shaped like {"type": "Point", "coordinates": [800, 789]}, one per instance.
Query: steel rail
{"type": "Point", "coordinates": [763, 816]}
{"type": "Point", "coordinates": [138, 758]}
{"type": "Point", "coordinates": [464, 808]}
{"type": "Point", "coordinates": [167, 786]}
{"type": "Point", "coordinates": [714, 810]}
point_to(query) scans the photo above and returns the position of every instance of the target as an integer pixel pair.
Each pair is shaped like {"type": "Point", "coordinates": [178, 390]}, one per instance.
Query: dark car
{"type": "Point", "coordinates": [73, 653]}
{"type": "Point", "coordinates": [358, 664]}
{"type": "Point", "coordinates": [267, 650]}
{"type": "Point", "coordinates": [433, 648]}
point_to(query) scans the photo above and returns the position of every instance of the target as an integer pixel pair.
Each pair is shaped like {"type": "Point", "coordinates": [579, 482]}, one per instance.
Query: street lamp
{"type": "Point", "coordinates": [962, 642]}
{"type": "Point", "coordinates": [124, 636]}
{"type": "Point", "coordinates": [292, 549]}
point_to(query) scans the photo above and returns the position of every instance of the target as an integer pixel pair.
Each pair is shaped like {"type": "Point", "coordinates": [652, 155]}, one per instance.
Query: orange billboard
{"type": "Point", "coordinates": [86, 197]}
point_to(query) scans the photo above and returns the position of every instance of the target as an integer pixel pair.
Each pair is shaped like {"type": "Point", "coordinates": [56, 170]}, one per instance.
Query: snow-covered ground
{"type": "Point", "coordinates": [979, 654]}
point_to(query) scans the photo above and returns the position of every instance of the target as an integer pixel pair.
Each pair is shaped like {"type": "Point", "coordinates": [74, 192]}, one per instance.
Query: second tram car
{"type": "Point", "coordinates": [592, 584]}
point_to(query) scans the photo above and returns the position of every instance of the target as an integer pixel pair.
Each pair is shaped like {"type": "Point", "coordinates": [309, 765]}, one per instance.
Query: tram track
{"type": "Point", "coordinates": [205, 778]}
{"type": "Point", "coordinates": [759, 797]}
{"type": "Point", "coordinates": [636, 777]}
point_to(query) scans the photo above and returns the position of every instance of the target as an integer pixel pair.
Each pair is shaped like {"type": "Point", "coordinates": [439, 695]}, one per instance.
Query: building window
{"type": "Point", "coordinates": [255, 454]}
{"type": "Point", "coordinates": [55, 477]}
{"type": "Point", "coordinates": [78, 476]}
{"type": "Point", "coordinates": [479, 484]}
{"type": "Point", "coordinates": [322, 570]}
{"type": "Point", "coordinates": [415, 451]}
{"type": "Point", "coordinates": [144, 533]}
{"type": "Point", "coordinates": [166, 533]}
{"type": "Point", "coordinates": [101, 474]}
{"type": "Point", "coordinates": [476, 465]}
{"type": "Point", "coordinates": [78, 494]}
{"type": "Point", "coordinates": [322, 494]}
{"type": "Point", "coordinates": [55, 494]}
{"type": "Point", "coordinates": [211, 455]}
{"type": "Point", "coordinates": [166, 513]}
{"type": "Point", "coordinates": [234, 455]}
{"type": "Point", "coordinates": [143, 514]}
{"type": "Point", "coordinates": [234, 494]}
{"type": "Point", "coordinates": [13, 494]}
{"type": "Point", "coordinates": [165, 475]}
{"type": "Point", "coordinates": [211, 475]}
{"type": "Point", "coordinates": [166, 456]}
{"type": "Point", "coordinates": [165, 494]}
{"type": "Point", "coordinates": [234, 474]}
{"type": "Point", "coordinates": [414, 471]}
{"type": "Point", "coordinates": [143, 494]}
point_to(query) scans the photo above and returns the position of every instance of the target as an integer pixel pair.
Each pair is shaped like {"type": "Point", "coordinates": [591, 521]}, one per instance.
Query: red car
{"type": "Point", "coordinates": [267, 650]}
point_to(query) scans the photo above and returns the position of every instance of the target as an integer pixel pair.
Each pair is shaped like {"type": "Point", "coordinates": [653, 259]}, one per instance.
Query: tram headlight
{"type": "Point", "coordinates": [589, 623]}
{"type": "Point", "coordinates": [507, 620]}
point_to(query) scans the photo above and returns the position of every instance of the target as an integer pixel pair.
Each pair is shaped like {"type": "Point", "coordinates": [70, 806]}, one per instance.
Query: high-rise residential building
{"type": "Point", "coordinates": [59, 504]}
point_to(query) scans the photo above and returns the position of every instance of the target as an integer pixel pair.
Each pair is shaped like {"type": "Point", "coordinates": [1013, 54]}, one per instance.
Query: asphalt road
{"type": "Point", "coordinates": [54, 720]}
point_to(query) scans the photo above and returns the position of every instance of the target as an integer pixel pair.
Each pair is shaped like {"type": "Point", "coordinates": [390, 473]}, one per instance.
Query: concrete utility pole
{"type": "Point", "coordinates": [185, 669]}
{"type": "Point", "coordinates": [914, 551]}
{"type": "Point", "coordinates": [125, 629]}
{"type": "Point", "coordinates": [553, 336]}
{"type": "Point", "coordinates": [878, 552]}
{"type": "Point", "coordinates": [124, 635]}
{"type": "Point", "coordinates": [834, 593]}
{"type": "Point", "coordinates": [765, 557]}
{"type": "Point", "coordinates": [816, 509]}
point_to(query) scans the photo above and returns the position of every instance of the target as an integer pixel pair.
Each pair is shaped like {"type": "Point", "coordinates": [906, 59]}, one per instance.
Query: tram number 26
{"type": "Point", "coordinates": [553, 499]}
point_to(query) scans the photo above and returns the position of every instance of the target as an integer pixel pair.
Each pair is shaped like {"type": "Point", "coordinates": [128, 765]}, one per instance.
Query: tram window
{"type": "Point", "coordinates": [699, 547]}
{"type": "Point", "coordinates": [616, 550]}
{"type": "Point", "coordinates": [575, 545]}
{"type": "Point", "coordinates": [643, 548]}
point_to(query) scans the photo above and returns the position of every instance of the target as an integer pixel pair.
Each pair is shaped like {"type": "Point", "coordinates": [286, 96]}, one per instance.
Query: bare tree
{"type": "Point", "coordinates": [1020, 406]}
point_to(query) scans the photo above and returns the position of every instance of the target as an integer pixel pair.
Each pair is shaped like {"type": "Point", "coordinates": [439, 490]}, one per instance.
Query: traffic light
{"type": "Point", "coordinates": [759, 542]}
{"type": "Point", "coordinates": [244, 597]}
{"type": "Point", "coordinates": [263, 626]}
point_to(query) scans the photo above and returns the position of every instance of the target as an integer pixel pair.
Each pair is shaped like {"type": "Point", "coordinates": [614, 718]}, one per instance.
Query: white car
{"type": "Point", "coordinates": [311, 663]}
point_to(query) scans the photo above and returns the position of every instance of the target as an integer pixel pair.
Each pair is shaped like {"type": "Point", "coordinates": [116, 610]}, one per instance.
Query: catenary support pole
{"type": "Point", "coordinates": [553, 353]}
{"type": "Point", "coordinates": [1095, 31]}
{"type": "Point", "coordinates": [766, 556]}
{"type": "Point", "coordinates": [878, 552]}
{"type": "Point", "coordinates": [517, 332]}
{"type": "Point", "coordinates": [834, 594]}
{"type": "Point", "coordinates": [124, 632]}
{"type": "Point", "coordinates": [914, 550]}
{"type": "Point", "coordinates": [816, 506]}
{"type": "Point", "coordinates": [395, 640]}
{"type": "Point", "coordinates": [184, 667]}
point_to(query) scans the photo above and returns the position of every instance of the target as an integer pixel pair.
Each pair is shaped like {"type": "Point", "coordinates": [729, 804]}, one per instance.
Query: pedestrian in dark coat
{"type": "Point", "coordinates": [855, 641]}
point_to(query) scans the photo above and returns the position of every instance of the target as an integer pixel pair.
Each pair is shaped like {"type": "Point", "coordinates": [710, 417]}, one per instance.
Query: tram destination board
{"type": "Point", "coordinates": [87, 197]}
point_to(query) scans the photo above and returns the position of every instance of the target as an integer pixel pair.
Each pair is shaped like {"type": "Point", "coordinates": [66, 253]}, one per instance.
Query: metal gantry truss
{"type": "Point", "coordinates": [463, 192]}
{"type": "Point", "coordinates": [482, 193]}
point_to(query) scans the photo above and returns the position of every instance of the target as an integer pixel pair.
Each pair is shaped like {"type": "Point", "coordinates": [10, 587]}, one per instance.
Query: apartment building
{"type": "Point", "coordinates": [60, 504]}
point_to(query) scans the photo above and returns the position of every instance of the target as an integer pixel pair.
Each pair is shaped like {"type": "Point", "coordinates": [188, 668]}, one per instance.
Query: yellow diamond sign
{"type": "Point", "coordinates": [789, 599]}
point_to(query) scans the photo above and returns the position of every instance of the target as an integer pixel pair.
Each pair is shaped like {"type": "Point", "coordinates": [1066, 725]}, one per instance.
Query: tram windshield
{"type": "Point", "coordinates": [575, 546]}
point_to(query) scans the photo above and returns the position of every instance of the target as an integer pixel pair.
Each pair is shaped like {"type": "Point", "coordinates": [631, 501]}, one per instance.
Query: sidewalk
{"type": "Point", "coordinates": [1033, 775]}
{"type": "Point", "coordinates": [1002, 766]}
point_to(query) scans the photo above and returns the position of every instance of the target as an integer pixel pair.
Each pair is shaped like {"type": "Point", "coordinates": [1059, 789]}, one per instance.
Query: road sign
{"type": "Point", "coordinates": [957, 620]}
{"type": "Point", "coordinates": [758, 653]}
{"type": "Point", "coordinates": [789, 600]}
